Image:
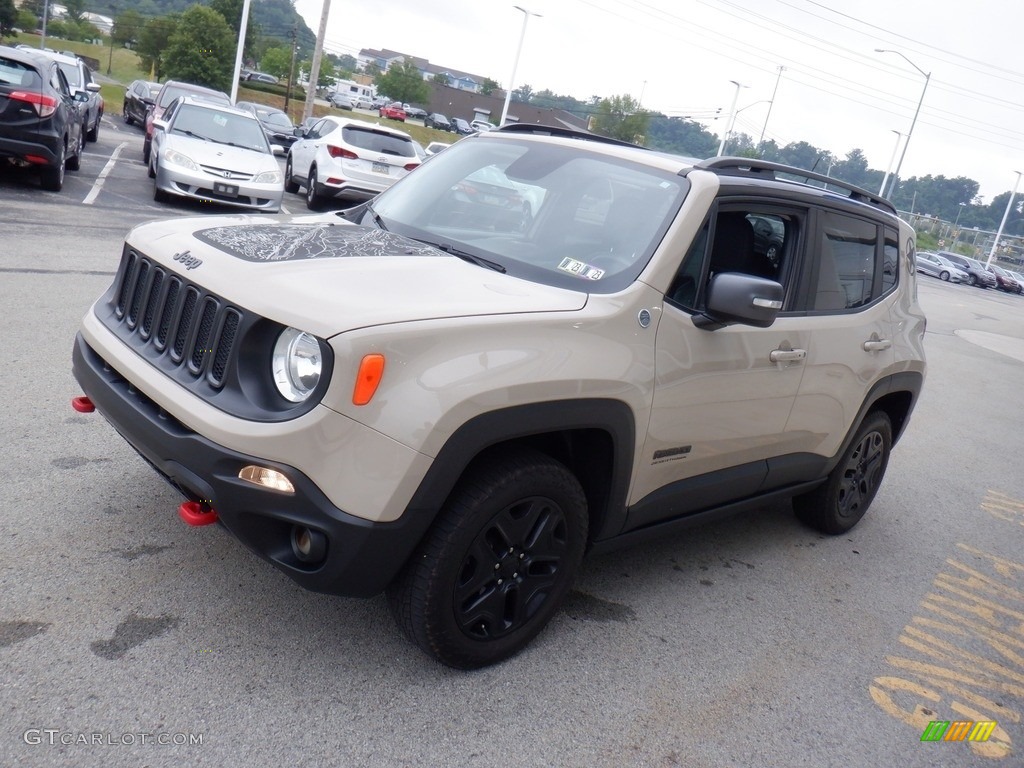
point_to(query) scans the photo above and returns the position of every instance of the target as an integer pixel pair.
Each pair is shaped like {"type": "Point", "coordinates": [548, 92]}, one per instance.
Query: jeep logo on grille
{"type": "Point", "coordinates": [187, 259]}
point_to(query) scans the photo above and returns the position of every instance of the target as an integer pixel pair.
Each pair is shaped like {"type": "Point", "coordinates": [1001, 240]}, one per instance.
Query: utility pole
{"type": "Point", "coordinates": [771, 104]}
{"type": "Point", "coordinates": [314, 66]}
{"type": "Point", "coordinates": [110, 58]}
{"type": "Point", "coordinates": [291, 69]}
{"type": "Point", "coordinates": [242, 27]}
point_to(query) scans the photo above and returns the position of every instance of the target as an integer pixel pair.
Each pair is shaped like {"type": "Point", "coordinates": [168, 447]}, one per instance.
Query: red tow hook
{"type": "Point", "coordinates": [197, 513]}
{"type": "Point", "coordinates": [82, 404]}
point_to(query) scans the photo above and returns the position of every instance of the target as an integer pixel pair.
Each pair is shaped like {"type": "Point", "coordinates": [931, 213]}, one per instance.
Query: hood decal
{"type": "Point", "coordinates": [290, 242]}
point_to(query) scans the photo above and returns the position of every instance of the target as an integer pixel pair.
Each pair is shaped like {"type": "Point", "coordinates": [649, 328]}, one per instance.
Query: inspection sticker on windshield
{"type": "Point", "coordinates": [580, 269]}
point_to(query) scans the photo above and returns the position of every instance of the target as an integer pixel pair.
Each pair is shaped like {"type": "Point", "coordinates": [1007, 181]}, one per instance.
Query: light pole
{"type": "Point", "coordinates": [732, 117]}
{"type": "Point", "coordinates": [1006, 214]}
{"type": "Point", "coordinates": [515, 65]}
{"type": "Point", "coordinates": [888, 171]}
{"type": "Point", "coordinates": [927, 79]}
{"type": "Point", "coordinates": [956, 222]}
{"type": "Point", "coordinates": [771, 104]}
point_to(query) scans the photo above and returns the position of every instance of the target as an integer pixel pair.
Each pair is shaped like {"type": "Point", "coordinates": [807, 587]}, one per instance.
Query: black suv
{"type": "Point", "coordinates": [41, 122]}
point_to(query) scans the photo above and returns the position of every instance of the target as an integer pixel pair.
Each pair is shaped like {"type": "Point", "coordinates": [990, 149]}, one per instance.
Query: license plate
{"type": "Point", "coordinates": [382, 168]}
{"type": "Point", "coordinates": [228, 190]}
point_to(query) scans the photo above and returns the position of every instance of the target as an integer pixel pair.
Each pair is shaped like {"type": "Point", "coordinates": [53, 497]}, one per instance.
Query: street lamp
{"type": "Point", "coordinates": [1006, 214]}
{"type": "Point", "coordinates": [888, 171]}
{"type": "Point", "coordinates": [956, 222]}
{"type": "Point", "coordinates": [771, 103]}
{"type": "Point", "coordinates": [732, 117]}
{"type": "Point", "coordinates": [927, 78]}
{"type": "Point", "coordinates": [515, 65]}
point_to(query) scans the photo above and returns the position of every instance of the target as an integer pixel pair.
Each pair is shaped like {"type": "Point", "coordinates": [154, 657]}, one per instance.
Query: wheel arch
{"type": "Point", "coordinates": [594, 438]}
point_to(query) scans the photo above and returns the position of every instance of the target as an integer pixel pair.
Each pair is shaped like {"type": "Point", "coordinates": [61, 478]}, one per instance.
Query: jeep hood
{"type": "Point", "coordinates": [327, 276]}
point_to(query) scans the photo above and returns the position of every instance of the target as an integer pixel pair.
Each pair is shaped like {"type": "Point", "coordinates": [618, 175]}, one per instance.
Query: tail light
{"type": "Point", "coordinates": [347, 154]}
{"type": "Point", "coordinates": [412, 167]}
{"type": "Point", "coordinates": [44, 105]}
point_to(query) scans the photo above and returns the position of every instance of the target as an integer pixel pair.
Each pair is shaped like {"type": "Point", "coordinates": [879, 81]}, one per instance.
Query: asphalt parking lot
{"type": "Point", "coordinates": [129, 639]}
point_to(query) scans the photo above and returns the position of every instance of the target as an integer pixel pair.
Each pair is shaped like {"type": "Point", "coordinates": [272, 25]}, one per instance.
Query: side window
{"type": "Point", "coordinates": [59, 82]}
{"type": "Point", "coordinates": [890, 260]}
{"type": "Point", "coordinates": [846, 262]}
{"type": "Point", "coordinates": [752, 240]}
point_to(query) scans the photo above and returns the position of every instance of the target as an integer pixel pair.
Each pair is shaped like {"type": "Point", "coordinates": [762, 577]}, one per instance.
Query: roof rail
{"type": "Point", "coordinates": [562, 132]}
{"type": "Point", "coordinates": [746, 166]}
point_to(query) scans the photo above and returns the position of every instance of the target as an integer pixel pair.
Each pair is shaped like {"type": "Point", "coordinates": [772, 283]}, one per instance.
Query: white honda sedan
{"type": "Point", "coordinates": [214, 152]}
{"type": "Point", "coordinates": [339, 157]}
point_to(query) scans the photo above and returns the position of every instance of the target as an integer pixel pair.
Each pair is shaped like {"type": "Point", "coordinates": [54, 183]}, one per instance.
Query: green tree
{"type": "Point", "coordinates": [201, 49]}
{"type": "Point", "coordinates": [153, 41]}
{"type": "Point", "coordinates": [346, 63]}
{"type": "Point", "coordinates": [326, 75]}
{"type": "Point", "coordinates": [128, 28]}
{"type": "Point", "coordinates": [276, 61]}
{"type": "Point", "coordinates": [231, 10]}
{"type": "Point", "coordinates": [73, 10]}
{"type": "Point", "coordinates": [488, 86]}
{"type": "Point", "coordinates": [680, 136]}
{"type": "Point", "coordinates": [8, 15]}
{"type": "Point", "coordinates": [522, 94]}
{"type": "Point", "coordinates": [620, 117]}
{"type": "Point", "coordinates": [403, 82]}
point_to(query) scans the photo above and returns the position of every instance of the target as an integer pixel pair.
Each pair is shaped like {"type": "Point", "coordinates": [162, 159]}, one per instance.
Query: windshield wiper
{"type": "Point", "coordinates": [376, 218]}
{"type": "Point", "coordinates": [472, 258]}
{"type": "Point", "coordinates": [195, 135]}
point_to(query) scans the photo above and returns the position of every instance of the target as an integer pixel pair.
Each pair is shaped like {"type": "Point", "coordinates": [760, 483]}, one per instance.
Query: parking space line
{"type": "Point", "coordinates": [95, 191]}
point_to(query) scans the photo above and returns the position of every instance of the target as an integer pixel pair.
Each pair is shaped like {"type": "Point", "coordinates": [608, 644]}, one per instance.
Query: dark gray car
{"type": "Point", "coordinates": [976, 273]}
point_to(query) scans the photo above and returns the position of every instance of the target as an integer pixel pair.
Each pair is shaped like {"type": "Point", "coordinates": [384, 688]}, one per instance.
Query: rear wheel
{"type": "Point", "coordinates": [94, 133]}
{"type": "Point", "coordinates": [146, 145]}
{"type": "Point", "coordinates": [52, 176]}
{"type": "Point", "coordinates": [74, 162]}
{"type": "Point", "coordinates": [498, 562]}
{"type": "Point", "coordinates": [841, 502]}
{"type": "Point", "coordinates": [290, 185]}
{"type": "Point", "coordinates": [313, 199]}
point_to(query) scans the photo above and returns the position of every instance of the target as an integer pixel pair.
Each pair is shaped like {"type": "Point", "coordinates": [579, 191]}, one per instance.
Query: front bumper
{"type": "Point", "coordinates": [362, 557]}
{"type": "Point", "coordinates": [202, 186]}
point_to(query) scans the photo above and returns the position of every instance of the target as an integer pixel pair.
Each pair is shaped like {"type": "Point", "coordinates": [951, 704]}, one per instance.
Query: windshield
{"type": "Point", "coordinates": [551, 213]}
{"type": "Point", "coordinates": [221, 127]}
{"type": "Point", "coordinates": [72, 73]}
{"type": "Point", "coordinates": [276, 119]}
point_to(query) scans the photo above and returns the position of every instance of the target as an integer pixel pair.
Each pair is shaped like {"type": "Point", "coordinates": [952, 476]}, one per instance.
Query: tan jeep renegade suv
{"type": "Point", "coordinates": [537, 344]}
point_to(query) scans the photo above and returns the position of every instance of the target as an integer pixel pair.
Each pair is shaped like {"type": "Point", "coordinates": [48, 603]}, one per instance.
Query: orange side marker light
{"type": "Point", "coordinates": [371, 369]}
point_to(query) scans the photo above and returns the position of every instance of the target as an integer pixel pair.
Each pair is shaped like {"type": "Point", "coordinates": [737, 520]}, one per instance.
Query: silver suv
{"type": "Point", "coordinates": [436, 396]}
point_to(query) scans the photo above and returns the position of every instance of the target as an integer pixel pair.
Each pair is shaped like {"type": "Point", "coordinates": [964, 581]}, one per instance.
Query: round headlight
{"type": "Point", "coordinates": [296, 364]}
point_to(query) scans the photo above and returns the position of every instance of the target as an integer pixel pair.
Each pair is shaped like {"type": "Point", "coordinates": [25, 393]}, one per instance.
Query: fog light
{"type": "Point", "coordinates": [309, 546]}
{"type": "Point", "coordinates": [266, 478]}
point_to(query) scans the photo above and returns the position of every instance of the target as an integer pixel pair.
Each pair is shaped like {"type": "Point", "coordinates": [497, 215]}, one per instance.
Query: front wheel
{"type": "Point", "coordinates": [972, 280]}
{"type": "Point", "coordinates": [839, 504]}
{"type": "Point", "coordinates": [498, 562]}
{"type": "Point", "coordinates": [944, 276]}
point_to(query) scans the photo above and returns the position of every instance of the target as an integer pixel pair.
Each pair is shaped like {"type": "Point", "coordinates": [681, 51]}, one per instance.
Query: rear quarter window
{"type": "Point", "coordinates": [376, 141]}
{"type": "Point", "coordinates": [18, 73]}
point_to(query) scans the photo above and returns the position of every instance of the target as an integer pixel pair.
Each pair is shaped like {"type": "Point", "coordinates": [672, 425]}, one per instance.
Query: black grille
{"type": "Point", "coordinates": [163, 315]}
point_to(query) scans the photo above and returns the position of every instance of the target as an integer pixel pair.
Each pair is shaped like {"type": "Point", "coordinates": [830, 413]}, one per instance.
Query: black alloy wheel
{"type": "Point", "coordinates": [313, 200]}
{"type": "Point", "coordinates": [838, 505]}
{"type": "Point", "coordinates": [289, 182]}
{"type": "Point", "coordinates": [498, 562]}
{"type": "Point", "coordinates": [52, 176]}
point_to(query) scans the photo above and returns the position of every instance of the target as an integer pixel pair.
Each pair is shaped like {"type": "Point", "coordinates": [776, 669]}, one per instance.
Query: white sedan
{"type": "Point", "coordinates": [939, 266]}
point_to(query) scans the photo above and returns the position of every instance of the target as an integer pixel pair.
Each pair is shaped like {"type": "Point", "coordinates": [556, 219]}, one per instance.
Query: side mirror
{"type": "Point", "coordinates": [277, 149]}
{"type": "Point", "coordinates": [92, 87]}
{"type": "Point", "coordinates": [160, 125]}
{"type": "Point", "coordinates": [734, 297]}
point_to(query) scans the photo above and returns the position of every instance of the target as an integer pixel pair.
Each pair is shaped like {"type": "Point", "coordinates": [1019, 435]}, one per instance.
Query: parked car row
{"type": "Point", "coordinates": [957, 268]}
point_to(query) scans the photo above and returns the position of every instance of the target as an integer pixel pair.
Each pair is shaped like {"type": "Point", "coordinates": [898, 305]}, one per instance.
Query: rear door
{"type": "Point", "coordinates": [849, 291]}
